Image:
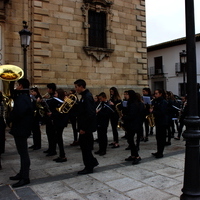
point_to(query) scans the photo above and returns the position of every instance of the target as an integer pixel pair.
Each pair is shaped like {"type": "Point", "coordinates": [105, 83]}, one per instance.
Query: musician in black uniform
{"type": "Point", "coordinates": [159, 111]}
{"type": "Point", "coordinates": [114, 100]}
{"type": "Point", "coordinates": [21, 118]}
{"type": "Point", "coordinates": [60, 121]}
{"type": "Point", "coordinates": [73, 119]}
{"type": "Point", "coordinates": [36, 97]}
{"type": "Point", "coordinates": [50, 131]}
{"type": "Point", "coordinates": [133, 120]}
{"type": "Point", "coordinates": [86, 125]}
{"type": "Point", "coordinates": [103, 114]}
{"type": "Point", "coordinates": [2, 128]}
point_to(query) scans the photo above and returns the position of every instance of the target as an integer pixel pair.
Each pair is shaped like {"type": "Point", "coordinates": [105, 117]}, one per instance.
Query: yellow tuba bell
{"type": "Point", "coordinates": [9, 74]}
{"type": "Point", "coordinates": [68, 104]}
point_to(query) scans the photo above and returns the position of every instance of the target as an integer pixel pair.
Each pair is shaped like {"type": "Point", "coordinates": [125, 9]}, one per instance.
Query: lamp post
{"type": "Point", "coordinates": [191, 184]}
{"type": "Point", "coordinates": [183, 61]}
{"type": "Point", "coordinates": [25, 37]}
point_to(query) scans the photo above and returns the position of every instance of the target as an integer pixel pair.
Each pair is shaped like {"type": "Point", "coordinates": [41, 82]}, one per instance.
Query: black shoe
{"type": "Point", "coordinates": [51, 154]}
{"type": "Point", "coordinates": [36, 148]}
{"type": "Point", "coordinates": [15, 178]}
{"type": "Point", "coordinates": [130, 158]}
{"type": "Point", "coordinates": [124, 137]}
{"type": "Point", "coordinates": [146, 139]}
{"type": "Point", "coordinates": [159, 156]}
{"type": "Point", "coordinates": [141, 139]}
{"type": "Point", "coordinates": [96, 163]}
{"type": "Point", "coordinates": [151, 133]}
{"type": "Point", "coordinates": [85, 171]}
{"type": "Point", "coordinates": [102, 153]}
{"type": "Point", "coordinates": [136, 161]}
{"type": "Point", "coordinates": [61, 160]}
{"type": "Point", "coordinates": [55, 159]}
{"type": "Point", "coordinates": [177, 138]}
{"type": "Point", "coordinates": [111, 144]}
{"type": "Point", "coordinates": [21, 183]}
{"type": "Point", "coordinates": [154, 154]}
{"type": "Point", "coordinates": [167, 143]}
{"type": "Point", "coordinates": [115, 146]}
{"type": "Point", "coordinates": [128, 148]}
{"type": "Point", "coordinates": [97, 152]}
{"type": "Point", "coordinates": [47, 151]}
{"type": "Point", "coordinates": [31, 147]}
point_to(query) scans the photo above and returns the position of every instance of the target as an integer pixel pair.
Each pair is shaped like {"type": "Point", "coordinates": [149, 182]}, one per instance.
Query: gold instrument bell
{"type": "Point", "coordinates": [9, 74]}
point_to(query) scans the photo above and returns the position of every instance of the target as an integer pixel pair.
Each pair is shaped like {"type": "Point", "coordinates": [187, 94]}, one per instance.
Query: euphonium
{"type": "Point", "coordinates": [151, 119]}
{"type": "Point", "coordinates": [68, 104]}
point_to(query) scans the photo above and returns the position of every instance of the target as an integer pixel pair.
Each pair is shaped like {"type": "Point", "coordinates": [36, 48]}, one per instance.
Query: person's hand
{"type": "Point", "coordinates": [49, 113]}
{"type": "Point", "coordinates": [81, 132]}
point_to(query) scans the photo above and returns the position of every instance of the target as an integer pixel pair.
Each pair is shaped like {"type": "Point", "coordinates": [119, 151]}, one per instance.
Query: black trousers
{"type": "Point", "coordinates": [22, 148]}
{"type": "Point", "coordinates": [114, 122]}
{"type": "Point", "coordinates": [103, 139]}
{"type": "Point", "coordinates": [161, 132]}
{"type": "Point", "coordinates": [59, 140]}
{"type": "Point", "coordinates": [73, 120]}
{"type": "Point", "coordinates": [2, 135]}
{"type": "Point", "coordinates": [51, 135]}
{"type": "Point", "coordinates": [36, 133]}
{"type": "Point", "coordinates": [131, 142]}
{"type": "Point", "coordinates": [86, 144]}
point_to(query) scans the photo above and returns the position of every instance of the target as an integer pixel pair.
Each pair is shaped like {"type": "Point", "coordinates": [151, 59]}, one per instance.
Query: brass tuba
{"type": "Point", "coordinates": [9, 74]}
{"type": "Point", "coordinates": [69, 102]}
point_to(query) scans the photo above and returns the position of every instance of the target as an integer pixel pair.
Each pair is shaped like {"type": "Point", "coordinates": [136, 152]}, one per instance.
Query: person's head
{"type": "Point", "coordinates": [102, 96]}
{"type": "Point", "coordinates": [96, 98]}
{"type": "Point", "coordinates": [51, 88]}
{"type": "Point", "coordinates": [114, 93]}
{"type": "Point", "coordinates": [80, 85]}
{"type": "Point", "coordinates": [35, 92]}
{"type": "Point", "coordinates": [131, 96]}
{"type": "Point", "coordinates": [72, 91]}
{"type": "Point", "coordinates": [125, 95]}
{"type": "Point", "coordinates": [159, 93]}
{"type": "Point", "coordinates": [170, 95]}
{"type": "Point", "coordinates": [60, 93]}
{"type": "Point", "coordinates": [146, 91]}
{"type": "Point", "coordinates": [22, 84]}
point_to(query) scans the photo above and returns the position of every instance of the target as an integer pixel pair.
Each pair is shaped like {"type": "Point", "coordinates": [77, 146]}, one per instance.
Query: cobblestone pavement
{"type": "Point", "coordinates": [113, 179]}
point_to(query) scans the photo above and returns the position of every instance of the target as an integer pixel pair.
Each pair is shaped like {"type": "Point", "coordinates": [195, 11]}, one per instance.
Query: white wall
{"type": "Point", "coordinates": [170, 56]}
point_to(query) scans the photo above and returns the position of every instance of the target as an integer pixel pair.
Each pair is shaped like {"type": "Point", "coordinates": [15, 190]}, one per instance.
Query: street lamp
{"type": "Point", "coordinates": [183, 61]}
{"type": "Point", "coordinates": [191, 184]}
{"type": "Point", "coordinates": [25, 37]}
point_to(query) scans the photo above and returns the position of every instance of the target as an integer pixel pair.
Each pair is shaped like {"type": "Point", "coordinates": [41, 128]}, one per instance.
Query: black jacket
{"type": "Point", "coordinates": [87, 113]}
{"type": "Point", "coordinates": [160, 111]}
{"type": "Point", "coordinates": [22, 114]}
{"type": "Point", "coordinates": [59, 119]}
{"type": "Point", "coordinates": [103, 115]}
{"type": "Point", "coordinates": [133, 118]}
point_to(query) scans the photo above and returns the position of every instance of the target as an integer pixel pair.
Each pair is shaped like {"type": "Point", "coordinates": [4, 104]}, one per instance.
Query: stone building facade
{"type": "Point", "coordinates": [61, 51]}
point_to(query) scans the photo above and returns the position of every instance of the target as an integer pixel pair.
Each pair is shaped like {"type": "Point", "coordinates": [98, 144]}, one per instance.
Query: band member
{"type": "Point", "coordinates": [147, 101]}
{"type": "Point", "coordinates": [159, 111]}
{"type": "Point", "coordinates": [36, 97]}
{"type": "Point", "coordinates": [2, 128]}
{"type": "Point", "coordinates": [86, 125]}
{"type": "Point", "coordinates": [59, 122]}
{"type": "Point", "coordinates": [50, 131]}
{"type": "Point", "coordinates": [73, 119]}
{"type": "Point", "coordinates": [114, 100]}
{"type": "Point", "coordinates": [133, 120]}
{"type": "Point", "coordinates": [103, 114]}
{"type": "Point", "coordinates": [21, 118]}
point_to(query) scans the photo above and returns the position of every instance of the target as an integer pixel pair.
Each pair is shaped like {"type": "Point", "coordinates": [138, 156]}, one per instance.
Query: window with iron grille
{"type": "Point", "coordinates": [97, 29]}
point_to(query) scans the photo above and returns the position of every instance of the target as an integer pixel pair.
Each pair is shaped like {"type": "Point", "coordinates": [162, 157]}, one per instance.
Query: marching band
{"type": "Point", "coordinates": [56, 109]}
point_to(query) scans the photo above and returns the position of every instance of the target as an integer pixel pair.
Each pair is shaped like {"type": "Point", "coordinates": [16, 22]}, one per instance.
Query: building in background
{"type": "Point", "coordinates": [164, 68]}
{"type": "Point", "coordinates": [101, 41]}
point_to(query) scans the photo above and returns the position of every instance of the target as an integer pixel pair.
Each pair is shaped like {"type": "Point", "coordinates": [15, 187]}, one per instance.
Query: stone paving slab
{"type": "Point", "coordinates": [152, 179]}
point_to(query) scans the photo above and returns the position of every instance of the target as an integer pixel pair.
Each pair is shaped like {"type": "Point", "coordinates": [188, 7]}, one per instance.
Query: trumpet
{"type": "Point", "coordinates": [69, 102]}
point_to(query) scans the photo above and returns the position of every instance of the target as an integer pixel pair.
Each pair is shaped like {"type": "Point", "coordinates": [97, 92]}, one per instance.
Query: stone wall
{"type": "Point", "coordinates": [56, 53]}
